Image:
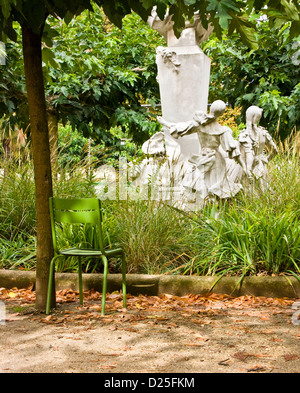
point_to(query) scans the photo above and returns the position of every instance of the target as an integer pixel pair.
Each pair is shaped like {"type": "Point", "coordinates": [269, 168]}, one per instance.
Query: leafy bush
{"type": "Point", "coordinates": [18, 253]}
{"type": "Point", "coordinates": [268, 77]}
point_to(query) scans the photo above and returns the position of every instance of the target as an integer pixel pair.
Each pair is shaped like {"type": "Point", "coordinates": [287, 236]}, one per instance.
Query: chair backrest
{"type": "Point", "coordinates": [76, 211]}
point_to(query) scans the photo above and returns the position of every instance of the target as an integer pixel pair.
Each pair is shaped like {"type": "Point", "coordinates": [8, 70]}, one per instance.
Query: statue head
{"type": "Point", "coordinates": [217, 108]}
{"type": "Point", "coordinates": [253, 114]}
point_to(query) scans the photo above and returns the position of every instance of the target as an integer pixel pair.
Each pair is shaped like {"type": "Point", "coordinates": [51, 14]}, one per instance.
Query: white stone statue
{"type": "Point", "coordinates": [162, 170]}
{"type": "Point", "coordinates": [183, 74]}
{"type": "Point", "coordinates": [253, 142]}
{"type": "Point", "coordinates": [153, 148]}
{"type": "Point", "coordinates": [195, 158]}
{"type": "Point", "coordinates": [222, 168]}
{"type": "Point", "coordinates": [209, 176]}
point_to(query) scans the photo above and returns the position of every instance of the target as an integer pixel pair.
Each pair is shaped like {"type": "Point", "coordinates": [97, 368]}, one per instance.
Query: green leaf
{"type": "Point", "coordinates": [249, 97]}
{"type": "Point", "coordinates": [178, 11]}
{"type": "Point", "coordinates": [147, 3]}
{"type": "Point", "coordinates": [64, 91]}
{"type": "Point", "coordinates": [190, 2]}
{"type": "Point", "coordinates": [5, 6]}
{"type": "Point", "coordinates": [222, 10]}
{"type": "Point", "coordinates": [258, 4]}
{"type": "Point", "coordinates": [113, 16]}
{"type": "Point", "coordinates": [290, 9]}
{"type": "Point", "coordinates": [10, 32]}
{"type": "Point", "coordinates": [48, 57]}
{"type": "Point", "coordinates": [68, 17]}
{"type": "Point", "coordinates": [295, 29]}
{"type": "Point", "coordinates": [247, 36]}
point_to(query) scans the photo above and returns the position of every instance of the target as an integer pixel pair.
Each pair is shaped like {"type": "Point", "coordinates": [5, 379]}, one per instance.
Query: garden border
{"type": "Point", "coordinates": [268, 286]}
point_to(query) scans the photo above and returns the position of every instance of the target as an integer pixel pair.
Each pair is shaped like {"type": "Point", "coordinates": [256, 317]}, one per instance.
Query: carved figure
{"type": "Point", "coordinates": [209, 177]}
{"type": "Point", "coordinates": [253, 141]}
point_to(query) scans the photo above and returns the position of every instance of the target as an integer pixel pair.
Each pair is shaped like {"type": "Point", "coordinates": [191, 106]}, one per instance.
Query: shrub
{"type": "Point", "coordinates": [154, 236]}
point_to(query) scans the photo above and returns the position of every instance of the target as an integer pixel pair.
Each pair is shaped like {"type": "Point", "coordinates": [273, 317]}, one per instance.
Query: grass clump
{"type": "Point", "coordinates": [155, 237]}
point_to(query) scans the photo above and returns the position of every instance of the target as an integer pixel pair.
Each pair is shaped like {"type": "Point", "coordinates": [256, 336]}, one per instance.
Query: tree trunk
{"type": "Point", "coordinates": [41, 159]}
{"type": "Point", "coordinates": [53, 135]}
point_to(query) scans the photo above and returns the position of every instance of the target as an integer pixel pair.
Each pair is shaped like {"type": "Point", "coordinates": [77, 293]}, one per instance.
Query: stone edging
{"type": "Point", "coordinates": [279, 286]}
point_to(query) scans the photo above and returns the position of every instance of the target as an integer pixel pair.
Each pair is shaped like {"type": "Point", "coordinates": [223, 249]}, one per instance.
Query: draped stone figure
{"type": "Point", "coordinates": [209, 175]}
{"type": "Point", "coordinates": [254, 140]}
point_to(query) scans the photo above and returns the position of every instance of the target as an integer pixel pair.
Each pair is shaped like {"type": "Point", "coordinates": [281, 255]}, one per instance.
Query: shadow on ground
{"type": "Point", "coordinates": [156, 334]}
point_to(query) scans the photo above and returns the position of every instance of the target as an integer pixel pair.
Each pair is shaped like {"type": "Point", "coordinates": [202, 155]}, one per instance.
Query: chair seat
{"type": "Point", "coordinates": [86, 252]}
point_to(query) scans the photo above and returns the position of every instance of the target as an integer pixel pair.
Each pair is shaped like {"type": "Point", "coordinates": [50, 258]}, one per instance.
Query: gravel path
{"type": "Point", "coordinates": [156, 334]}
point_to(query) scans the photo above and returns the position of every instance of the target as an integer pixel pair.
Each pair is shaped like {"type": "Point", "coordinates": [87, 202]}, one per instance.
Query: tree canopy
{"type": "Point", "coordinates": [96, 76]}
{"type": "Point", "coordinates": [231, 15]}
{"type": "Point", "coordinates": [87, 87]}
{"type": "Point", "coordinates": [103, 75]}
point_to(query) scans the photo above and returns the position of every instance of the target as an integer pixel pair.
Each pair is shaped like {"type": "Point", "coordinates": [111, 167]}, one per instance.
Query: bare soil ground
{"type": "Point", "coordinates": [155, 334]}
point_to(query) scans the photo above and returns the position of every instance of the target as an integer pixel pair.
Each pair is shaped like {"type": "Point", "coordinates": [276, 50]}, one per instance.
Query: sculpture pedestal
{"type": "Point", "coordinates": [183, 75]}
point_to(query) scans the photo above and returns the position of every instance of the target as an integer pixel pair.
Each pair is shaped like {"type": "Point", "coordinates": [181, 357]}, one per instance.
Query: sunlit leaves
{"type": "Point", "coordinates": [222, 8]}
{"type": "Point", "coordinates": [49, 57]}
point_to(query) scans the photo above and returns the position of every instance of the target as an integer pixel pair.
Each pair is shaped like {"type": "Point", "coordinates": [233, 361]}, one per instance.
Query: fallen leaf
{"type": "Point", "coordinates": [3, 292]}
{"type": "Point", "coordinates": [12, 294]}
{"type": "Point", "coordinates": [290, 356]}
{"type": "Point", "coordinates": [96, 308]}
{"type": "Point", "coordinates": [256, 368]}
{"type": "Point", "coordinates": [108, 366]}
{"type": "Point", "coordinates": [224, 362]}
{"type": "Point", "coordinates": [130, 330]}
{"type": "Point", "coordinates": [202, 338]}
{"type": "Point", "coordinates": [48, 319]}
{"type": "Point", "coordinates": [172, 324]}
{"type": "Point", "coordinates": [241, 355]}
{"type": "Point", "coordinates": [278, 340]}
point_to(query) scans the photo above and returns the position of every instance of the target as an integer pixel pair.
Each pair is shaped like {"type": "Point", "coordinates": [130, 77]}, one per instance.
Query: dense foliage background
{"type": "Point", "coordinates": [268, 77]}
{"type": "Point", "coordinates": [96, 77]}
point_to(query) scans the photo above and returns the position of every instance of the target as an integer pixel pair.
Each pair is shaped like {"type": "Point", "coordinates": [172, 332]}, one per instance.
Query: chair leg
{"type": "Point", "coordinates": [124, 280]}
{"type": "Point", "coordinates": [50, 283]}
{"type": "Point", "coordinates": [104, 284]}
{"type": "Point", "coordinates": [80, 281]}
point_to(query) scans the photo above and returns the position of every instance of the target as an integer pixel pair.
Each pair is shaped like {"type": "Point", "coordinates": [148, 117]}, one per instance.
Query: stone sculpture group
{"type": "Point", "coordinates": [194, 157]}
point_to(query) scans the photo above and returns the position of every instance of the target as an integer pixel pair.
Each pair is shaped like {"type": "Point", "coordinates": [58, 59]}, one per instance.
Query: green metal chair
{"type": "Point", "coordinates": [82, 211]}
